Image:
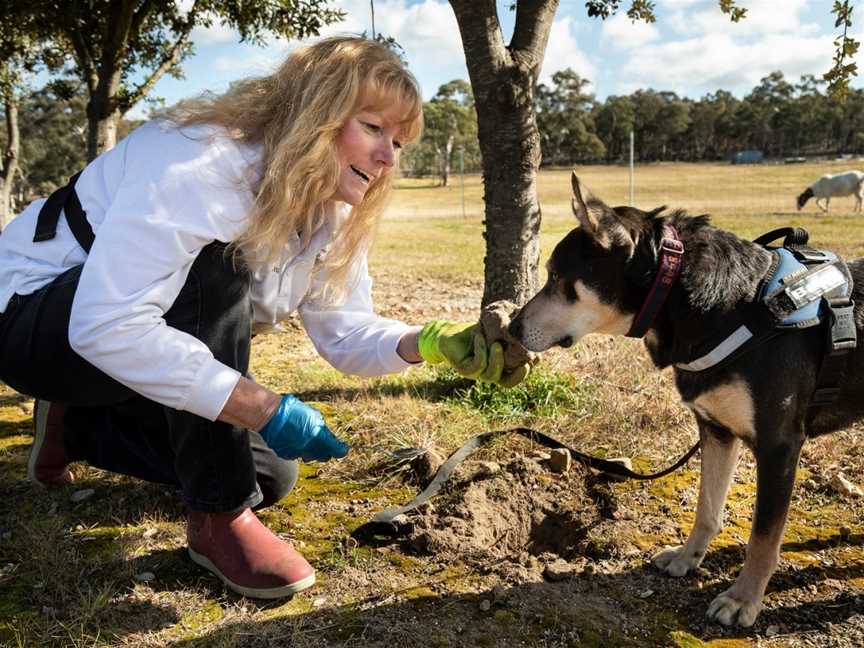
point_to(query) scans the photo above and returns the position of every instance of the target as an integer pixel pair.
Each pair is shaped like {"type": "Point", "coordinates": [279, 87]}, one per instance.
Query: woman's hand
{"type": "Point", "coordinates": [297, 430]}
{"type": "Point", "coordinates": [463, 347]}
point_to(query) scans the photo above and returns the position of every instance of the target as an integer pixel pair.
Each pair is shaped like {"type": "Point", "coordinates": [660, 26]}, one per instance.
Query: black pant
{"type": "Point", "coordinates": [218, 467]}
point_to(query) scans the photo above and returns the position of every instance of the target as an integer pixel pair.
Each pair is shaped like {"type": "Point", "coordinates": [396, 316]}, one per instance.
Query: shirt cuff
{"type": "Point", "coordinates": [213, 386]}
{"type": "Point", "coordinates": [388, 356]}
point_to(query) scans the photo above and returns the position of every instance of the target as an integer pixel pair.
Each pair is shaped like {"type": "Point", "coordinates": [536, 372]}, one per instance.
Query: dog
{"type": "Point", "coordinates": [598, 278]}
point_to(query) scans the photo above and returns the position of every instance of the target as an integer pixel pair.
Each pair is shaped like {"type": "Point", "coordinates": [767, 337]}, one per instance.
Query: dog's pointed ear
{"type": "Point", "coordinates": [598, 219]}
{"type": "Point", "coordinates": [587, 208]}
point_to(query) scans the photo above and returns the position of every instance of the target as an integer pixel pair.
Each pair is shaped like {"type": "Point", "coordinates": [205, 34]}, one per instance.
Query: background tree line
{"type": "Point", "coordinates": [52, 122]}
{"type": "Point", "coordinates": [777, 117]}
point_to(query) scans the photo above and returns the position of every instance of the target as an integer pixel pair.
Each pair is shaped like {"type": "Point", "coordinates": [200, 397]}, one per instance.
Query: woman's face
{"type": "Point", "coordinates": [368, 146]}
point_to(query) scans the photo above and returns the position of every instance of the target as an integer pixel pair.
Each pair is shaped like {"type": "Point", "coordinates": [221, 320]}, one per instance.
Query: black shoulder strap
{"type": "Point", "coordinates": [792, 237]}
{"type": "Point", "coordinates": [64, 199]}
{"type": "Point", "coordinates": [795, 240]}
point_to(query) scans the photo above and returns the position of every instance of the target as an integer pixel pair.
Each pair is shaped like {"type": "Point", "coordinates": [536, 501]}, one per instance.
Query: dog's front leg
{"type": "Point", "coordinates": [775, 470]}
{"type": "Point", "coordinates": [719, 454]}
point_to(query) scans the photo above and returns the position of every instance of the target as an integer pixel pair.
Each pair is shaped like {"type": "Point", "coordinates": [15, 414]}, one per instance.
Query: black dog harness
{"type": "Point", "coordinates": [804, 288]}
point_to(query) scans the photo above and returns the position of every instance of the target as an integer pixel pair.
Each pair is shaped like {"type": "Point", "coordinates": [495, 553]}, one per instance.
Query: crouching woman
{"type": "Point", "coordinates": [130, 296]}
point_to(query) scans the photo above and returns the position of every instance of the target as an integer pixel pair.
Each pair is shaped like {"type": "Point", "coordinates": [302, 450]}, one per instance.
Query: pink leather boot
{"type": "Point", "coordinates": [246, 555]}
{"type": "Point", "coordinates": [48, 464]}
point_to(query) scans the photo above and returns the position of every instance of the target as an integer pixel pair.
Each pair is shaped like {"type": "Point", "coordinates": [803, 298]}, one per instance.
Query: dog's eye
{"type": "Point", "coordinates": [553, 277]}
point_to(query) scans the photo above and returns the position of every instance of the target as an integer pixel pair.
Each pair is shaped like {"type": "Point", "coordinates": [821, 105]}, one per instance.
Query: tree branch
{"type": "Point", "coordinates": [72, 30]}
{"type": "Point", "coordinates": [169, 61]}
{"type": "Point", "coordinates": [847, 48]}
{"type": "Point", "coordinates": [10, 153]}
{"type": "Point", "coordinates": [533, 23]}
{"type": "Point", "coordinates": [484, 48]}
{"type": "Point", "coordinates": [141, 15]}
{"type": "Point", "coordinates": [118, 27]}
{"type": "Point", "coordinates": [734, 12]}
{"type": "Point", "coordinates": [528, 34]}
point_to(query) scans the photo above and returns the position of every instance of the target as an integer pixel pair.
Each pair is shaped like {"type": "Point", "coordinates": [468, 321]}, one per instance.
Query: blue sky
{"type": "Point", "coordinates": [692, 49]}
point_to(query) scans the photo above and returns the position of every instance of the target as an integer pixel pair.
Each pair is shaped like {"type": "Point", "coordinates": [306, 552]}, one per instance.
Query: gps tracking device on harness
{"type": "Point", "coordinates": [805, 287]}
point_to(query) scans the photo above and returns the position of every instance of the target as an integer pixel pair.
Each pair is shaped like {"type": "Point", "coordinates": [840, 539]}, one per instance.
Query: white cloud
{"type": "Point", "coordinates": [248, 60]}
{"type": "Point", "coordinates": [773, 16]}
{"type": "Point", "coordinates": [564, 52]}
{"type": "Point", "coordinates": [763, 17]}
{"type": "Point", "coordinates": [216, 33]}
{"type": "Point", "coordinates": [428, 26]}
{"type": "Point", "coordinates": [427, 30]}
{"type": "Point", "coordinates": [683, 4]}
{"type": "Point", "coordinates": [623, 33]}
{"type": "Point", "coordinates": [720, 61]}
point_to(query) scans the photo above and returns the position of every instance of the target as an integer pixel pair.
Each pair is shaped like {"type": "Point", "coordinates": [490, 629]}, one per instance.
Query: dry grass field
{"type": "Point", "coordinates": [103, 563]}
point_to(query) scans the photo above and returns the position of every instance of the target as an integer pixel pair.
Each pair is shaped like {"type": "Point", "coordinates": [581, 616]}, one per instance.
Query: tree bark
{"type": "Point", "coordinates": [503, 79]}
{"type": "Point", "coordinates": [102, 118]}
{"type": "Point", "coordinates": [10, 158]}
{"type": "Point", "coordinates": [446, 152]}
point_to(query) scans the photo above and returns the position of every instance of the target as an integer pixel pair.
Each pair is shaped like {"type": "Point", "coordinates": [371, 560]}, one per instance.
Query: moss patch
{"type": "Point", "coordinates": [194, 623]}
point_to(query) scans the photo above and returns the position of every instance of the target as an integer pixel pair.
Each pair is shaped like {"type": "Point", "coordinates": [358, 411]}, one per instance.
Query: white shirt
{"type": "Point", "coordinates": [154, 201]}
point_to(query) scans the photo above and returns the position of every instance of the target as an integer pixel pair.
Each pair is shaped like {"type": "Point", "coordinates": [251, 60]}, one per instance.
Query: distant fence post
{"type": "Point", "coordinates": [462, 176]}
{"type": "Point", "coordinates": [631, 168]}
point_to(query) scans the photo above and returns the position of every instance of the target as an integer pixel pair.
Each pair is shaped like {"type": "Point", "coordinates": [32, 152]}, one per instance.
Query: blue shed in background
{"type": "Point", "coordinates": [748, 157]}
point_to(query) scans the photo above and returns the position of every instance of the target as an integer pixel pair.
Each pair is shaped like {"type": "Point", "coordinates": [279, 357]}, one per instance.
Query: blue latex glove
{"type": "Point", "coordinates": [297, 430]}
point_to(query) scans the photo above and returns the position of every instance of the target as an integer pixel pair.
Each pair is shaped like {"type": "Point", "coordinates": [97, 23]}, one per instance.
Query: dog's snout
{"type": "Point", "coordinates": [515, 329]}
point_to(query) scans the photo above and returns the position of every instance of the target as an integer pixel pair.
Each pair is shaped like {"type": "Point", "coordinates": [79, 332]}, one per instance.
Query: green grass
{"type": "Point", "coordinates": [542, 394]}
{"type": "Point", "coordinates": [424, 232]}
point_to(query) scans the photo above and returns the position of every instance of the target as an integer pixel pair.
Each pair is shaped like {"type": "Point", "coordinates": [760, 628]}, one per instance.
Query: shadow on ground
{"type": "Point", "coordinates": [595, 610]}
{"type": "Point", "coordinates": [636, 606]}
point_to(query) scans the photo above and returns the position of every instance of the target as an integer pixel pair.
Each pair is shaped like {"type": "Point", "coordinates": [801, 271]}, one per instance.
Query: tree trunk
{"type": "Point", "coordinates": [445, 161]}
{"type": "Point", "coordinates": [503, 80]}
{"type": "Point", "coordinates": [102, 118]}
{"type": "Point", "coordinates": [513, 214]}
{"type": "Point", "coordinates": [10, 158]}
{"type": "Point", "coordinates": [101, 135]}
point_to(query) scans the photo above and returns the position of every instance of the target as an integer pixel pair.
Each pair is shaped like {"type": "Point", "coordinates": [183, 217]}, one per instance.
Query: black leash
{"type": "Point", "coordinates": [384, 523]}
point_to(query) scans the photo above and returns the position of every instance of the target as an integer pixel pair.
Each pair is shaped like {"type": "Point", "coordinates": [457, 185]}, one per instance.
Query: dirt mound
{"type": "Point", "coordinates": [519, 518]}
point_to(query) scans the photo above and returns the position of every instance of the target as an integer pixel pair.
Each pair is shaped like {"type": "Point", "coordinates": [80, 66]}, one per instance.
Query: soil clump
{"type": "Point", "coordinates": [518, 519]}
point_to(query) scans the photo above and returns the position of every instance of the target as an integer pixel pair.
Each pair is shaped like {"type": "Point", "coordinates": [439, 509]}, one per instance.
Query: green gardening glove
{"type": "Point", "coordinates": [463, 347]}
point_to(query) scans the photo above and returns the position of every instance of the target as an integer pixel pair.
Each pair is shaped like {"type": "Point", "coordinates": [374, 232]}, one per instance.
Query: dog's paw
{"type": "Point", "coordinates": [676, 561]}
{"type": "Point", "coordinates": [729, 608]}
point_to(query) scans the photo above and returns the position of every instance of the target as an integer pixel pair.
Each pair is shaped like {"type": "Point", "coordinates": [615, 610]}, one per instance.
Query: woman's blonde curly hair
{"type": "Point", "coordinates": [295, 115]}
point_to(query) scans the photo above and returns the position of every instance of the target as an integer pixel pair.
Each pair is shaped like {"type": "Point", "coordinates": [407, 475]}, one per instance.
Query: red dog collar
{"type": "Point", "coordinates": [669, 267]}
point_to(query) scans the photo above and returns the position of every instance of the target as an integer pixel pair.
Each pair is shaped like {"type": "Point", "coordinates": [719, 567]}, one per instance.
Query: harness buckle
{"type": "Point", "coordinates": [672, 246]}
{"type": "Point", "coordinates": [809, 255]}
{"type": "Point", "coordinates": [844, 336]}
